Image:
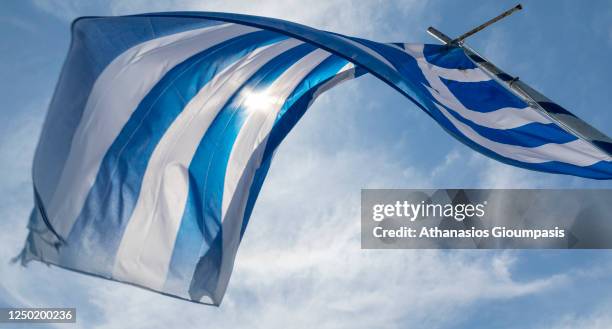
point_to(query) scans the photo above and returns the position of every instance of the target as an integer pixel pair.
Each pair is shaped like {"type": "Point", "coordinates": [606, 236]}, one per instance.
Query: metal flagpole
{"type": "Point", "coordinates": [535, 99]}
{"type": "Point", "coordinates": [506, 13]}
{"type": "Point", "coordinates": [458, 41]}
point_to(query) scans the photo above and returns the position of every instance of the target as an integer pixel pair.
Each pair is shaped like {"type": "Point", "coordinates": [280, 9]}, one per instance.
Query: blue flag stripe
{"type": "Point", "coordinates": [484, 96]}
{"type": "Point", "coordinates": [447, 57]}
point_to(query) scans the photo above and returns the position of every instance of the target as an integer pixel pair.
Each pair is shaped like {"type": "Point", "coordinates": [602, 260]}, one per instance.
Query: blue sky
{"type": "Point", "coordinates": [300, 264]}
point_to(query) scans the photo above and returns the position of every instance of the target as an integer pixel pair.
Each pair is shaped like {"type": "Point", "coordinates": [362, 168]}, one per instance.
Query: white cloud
{"type": "Point", "coordinates": [600, 318]}
{"type": "Point", "coordinates": [364, 18]}
{"type": "Point", "coordinates": [450, 160]}
{"type": "Point", "coordinates": [497, 175]}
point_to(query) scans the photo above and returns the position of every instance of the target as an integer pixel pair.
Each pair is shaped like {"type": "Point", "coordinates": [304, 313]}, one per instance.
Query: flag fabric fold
{"type": "Point", "coordinates": [163, 126]}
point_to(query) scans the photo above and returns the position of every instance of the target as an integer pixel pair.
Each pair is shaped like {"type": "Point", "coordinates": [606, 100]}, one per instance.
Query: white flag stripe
{"type": "Point", "coordinates": [115, 95]}
{"type": "Point", "coordinates": [347, 67]}
{"type": "Point", "coordinates": [369, 51]}
{"type": "Point", "coordinates": [577, 152]}
{"type": "Point", "coordinates": [345, 73]}
{"type": "Point", "coordinates": [467, 75]}
{"type": "Point", "coordinates": [147, 244]}
{"type": "Point", "coordinates": [262, 114]}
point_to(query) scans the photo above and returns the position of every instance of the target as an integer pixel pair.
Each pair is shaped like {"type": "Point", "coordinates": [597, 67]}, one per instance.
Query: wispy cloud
{"type": "Point", "coordinates": [600, 318]}
{"type": "Point", "coordinates": [367, 18]}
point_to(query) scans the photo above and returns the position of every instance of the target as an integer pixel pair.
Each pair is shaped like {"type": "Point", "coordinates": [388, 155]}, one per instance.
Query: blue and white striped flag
{"type": "Point", "coordinates": [162, 129]}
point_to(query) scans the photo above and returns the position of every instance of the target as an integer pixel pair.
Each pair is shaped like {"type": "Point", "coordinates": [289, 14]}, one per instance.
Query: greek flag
{"type": "Point", "coordinates": [162, 128]}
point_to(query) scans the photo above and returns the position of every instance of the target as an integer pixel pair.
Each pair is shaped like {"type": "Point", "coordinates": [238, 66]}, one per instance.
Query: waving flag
{"type": "Point", "coordinates": [163, 126]}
